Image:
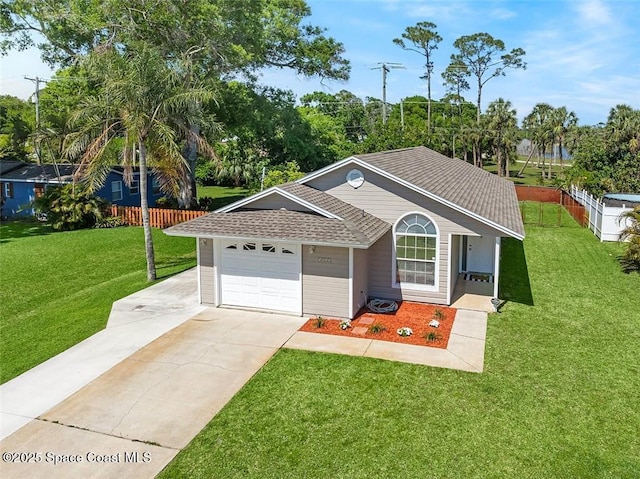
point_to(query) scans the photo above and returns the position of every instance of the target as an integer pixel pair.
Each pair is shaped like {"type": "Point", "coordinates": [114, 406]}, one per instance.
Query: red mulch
{"type": "Point", "coordinates": [413, 315]}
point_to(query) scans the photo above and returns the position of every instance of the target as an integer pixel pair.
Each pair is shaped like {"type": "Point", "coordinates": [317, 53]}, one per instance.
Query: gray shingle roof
{"type": "Point", "coordinates": [7, 165]}
{"type": "Point", "coordinates": [353, 227]}
{"type": "Point", "coordinates": [32, 173]}
{"type": "Point", "coordinates": [455, 181]}
{"type": "Point", "coordinates": [276, 225]}
{"type": "Point", "coordinates": [370, 228]}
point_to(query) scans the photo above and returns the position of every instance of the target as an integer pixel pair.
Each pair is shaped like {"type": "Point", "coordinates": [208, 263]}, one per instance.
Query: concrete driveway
{"type": "Point", "coordinates": [134, 418]}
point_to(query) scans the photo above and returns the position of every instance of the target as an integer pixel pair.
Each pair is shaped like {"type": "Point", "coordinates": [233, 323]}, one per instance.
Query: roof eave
{"type": "Point", "coordinates": [186, 234]}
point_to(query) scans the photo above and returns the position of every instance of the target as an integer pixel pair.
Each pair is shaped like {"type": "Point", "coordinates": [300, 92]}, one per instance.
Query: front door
{"type": "Point", "coordinates": [480, 254]}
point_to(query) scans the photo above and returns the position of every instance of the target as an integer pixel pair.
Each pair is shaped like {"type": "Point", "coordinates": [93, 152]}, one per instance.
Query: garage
{"type": "Point", "coordinates": [264, 275]}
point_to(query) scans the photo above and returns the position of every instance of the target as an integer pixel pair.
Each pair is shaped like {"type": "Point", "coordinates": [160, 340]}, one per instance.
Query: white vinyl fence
{"type": "Point", "coordinates": [603, 220]}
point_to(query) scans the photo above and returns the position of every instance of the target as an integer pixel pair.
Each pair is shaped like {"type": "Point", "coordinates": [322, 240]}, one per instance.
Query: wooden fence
{"type": "Point", "coordinates": [158, 217]}
{"type": "Point", "coordinates": [545, 194]}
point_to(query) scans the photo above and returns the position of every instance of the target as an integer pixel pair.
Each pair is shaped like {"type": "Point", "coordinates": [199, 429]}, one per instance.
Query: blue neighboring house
{"type": "Point", "coordinates": [21, 183]}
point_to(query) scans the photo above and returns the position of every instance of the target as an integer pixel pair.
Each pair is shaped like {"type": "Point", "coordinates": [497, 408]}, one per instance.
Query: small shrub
{"type": "Point", "coordinates": [69, 207]}
{"type": "Point", "coordinates": [207, 203]}
{"type": "Point", "coordinates": [319, 322]}
{"type": "Point", "coordinates": [431, 336]}
{"type": "Point", "coordinates": [109, 222]}
{"type": "Point", "coordinates": [438, 314]}
{"type": "Point", "coordinates": [376, 328]}
{"type": "Point", "coordinates": [405, 331]}
{"type": "Point", "coordinates": [345, 324]}
{"type": "Point", "coordinates": [167, 203]}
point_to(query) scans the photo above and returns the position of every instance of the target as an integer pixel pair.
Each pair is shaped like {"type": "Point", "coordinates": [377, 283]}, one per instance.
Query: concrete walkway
{"type": "Point", "coordinates": [465, 350]}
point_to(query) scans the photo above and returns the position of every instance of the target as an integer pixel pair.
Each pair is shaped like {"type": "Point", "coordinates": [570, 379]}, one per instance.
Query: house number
{"type": "Point", "coordinates": [324, 259]}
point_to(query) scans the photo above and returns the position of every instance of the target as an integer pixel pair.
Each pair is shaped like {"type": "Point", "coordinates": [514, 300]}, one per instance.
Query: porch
{"type": "Point", "coordinates": [473, 294]}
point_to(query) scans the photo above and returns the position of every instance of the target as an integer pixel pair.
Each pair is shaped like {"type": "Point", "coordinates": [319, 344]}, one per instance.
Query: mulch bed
{"type": "Point", "coordinates": [412, 315]}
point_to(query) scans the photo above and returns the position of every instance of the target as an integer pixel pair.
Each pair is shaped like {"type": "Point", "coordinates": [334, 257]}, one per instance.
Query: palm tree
{"type": "Point", "coordinates": [562, 121]}
{"type": "Point", "coordinates": [501, 124]}
{"type": "Point", "coordinates": [140, 113]}
{"type": "Point", "coordinates": [630, 260]}
{"type": "Point", "coordinates": [537, 124]}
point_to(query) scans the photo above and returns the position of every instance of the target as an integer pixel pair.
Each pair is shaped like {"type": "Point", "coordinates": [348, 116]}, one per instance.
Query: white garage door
{"type": "Point", "coordinates": [261, 275]}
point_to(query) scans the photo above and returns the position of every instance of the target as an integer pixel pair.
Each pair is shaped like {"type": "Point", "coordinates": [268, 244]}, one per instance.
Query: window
{"type": "Point", "coordinates": [116, 190]}
{"type": "Point", "coordinates": [249, 247]}
{"type": "Point", "coordinates": [155, 186]}
{"type": "Point", "coordinates": [268, 248]}
{"type": "Point", "coordinates": [416, 243]}
{"type": "Point", "coordinates": [7, 190]}
{"type": "Point", "coordinates": [134, 189]}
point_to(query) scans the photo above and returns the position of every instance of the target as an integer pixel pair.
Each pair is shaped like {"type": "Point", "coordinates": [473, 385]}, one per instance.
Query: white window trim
{"type": "Point", "coordinates": [436, 272]}
{"type": "Point", "coordinates": [116, 191]}
{"type": "Point", "coordinates": [134, 190]}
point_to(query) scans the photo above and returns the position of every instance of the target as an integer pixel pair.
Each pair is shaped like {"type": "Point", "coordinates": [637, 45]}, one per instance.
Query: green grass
{"type": "Point", "coordinates": [222, 195]}
{"type": "Point", "coordinates": [57, 287]}
{"type": "Point", "coordinates": [531, 174]}
{"type": "Point", "coordinates": [546, 214]}
{"type": "Point", "coordinates": [558, 398]}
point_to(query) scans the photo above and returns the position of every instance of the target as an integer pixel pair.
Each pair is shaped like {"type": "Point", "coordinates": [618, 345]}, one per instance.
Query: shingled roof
{"type": "Point", "coordinates": [348, 225]}
{"type": "Point", "coordinates": [454, 182]}
{"type": "Point", "coordinates": [32, 173]}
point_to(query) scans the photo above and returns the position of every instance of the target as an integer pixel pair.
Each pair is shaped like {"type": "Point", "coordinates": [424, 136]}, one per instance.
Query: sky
{"type": "Point", "coordinates": [581, 54]}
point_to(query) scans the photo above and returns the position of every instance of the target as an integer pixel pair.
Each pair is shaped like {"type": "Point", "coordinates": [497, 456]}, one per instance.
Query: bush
{"type": "Point", "coordinates": [70, 207]}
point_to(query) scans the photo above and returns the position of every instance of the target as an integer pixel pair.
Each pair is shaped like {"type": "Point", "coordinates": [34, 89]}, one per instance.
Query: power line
{"type": "Point", "coordinates": [37, 81]}
{"type": "Point", "coordinates": [386, 68]}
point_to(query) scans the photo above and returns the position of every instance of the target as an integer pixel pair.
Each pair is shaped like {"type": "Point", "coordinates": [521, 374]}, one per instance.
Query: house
{"type": "Point", "coordinates": [407, 224]}
{"type": "Point", "coordinates": [21, 183]}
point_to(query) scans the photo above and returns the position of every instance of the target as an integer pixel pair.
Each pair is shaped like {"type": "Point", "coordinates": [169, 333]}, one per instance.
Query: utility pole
{"type": "Point", "coordinates": [36, 143]}
{"type": "Point", "coordinates": [386, 68]}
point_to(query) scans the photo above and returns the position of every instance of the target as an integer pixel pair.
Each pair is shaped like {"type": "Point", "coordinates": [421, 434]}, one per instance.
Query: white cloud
{"type": "Point", "coordinates": [502, 14]}
{"type": "Point", "coordinates": [593, 12]}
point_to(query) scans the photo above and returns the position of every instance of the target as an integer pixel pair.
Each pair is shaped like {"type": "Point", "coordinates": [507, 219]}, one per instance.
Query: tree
{"type": "Point", "coordinates": [630, 260]}
{"type": "Point", "coordinates": [607, 158]}
{"type": "Point", "coordinates": [345, 107]}
{"type": "Point", "coordinates": [210, 39]}
{"type": "Point", "coordinates": [538, 126]}
{"type": "Point", "coordinates": [478, 53]}
{"type": "Point", "coordinates": [501, 124]}
{"type": "Point", "coordinates": [425, 40]}
{"type": "Point", "coordinates": [141, 108]}
{"type": "Point", "coordinates": [455, 81]}
{"type": "Point", "coordinates": [561, 122]}
{"type": "Point", "coordinates": [16, 124]}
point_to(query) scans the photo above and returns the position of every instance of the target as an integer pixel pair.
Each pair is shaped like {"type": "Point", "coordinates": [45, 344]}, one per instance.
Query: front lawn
{"type": "Point", "coordinates": [559, 396]}
{"type": "Point", "coordinates": [57, 288]}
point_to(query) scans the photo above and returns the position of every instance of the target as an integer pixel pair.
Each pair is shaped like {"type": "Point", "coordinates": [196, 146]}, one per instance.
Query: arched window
{"type": "Point", "coordinates": [416, 241]}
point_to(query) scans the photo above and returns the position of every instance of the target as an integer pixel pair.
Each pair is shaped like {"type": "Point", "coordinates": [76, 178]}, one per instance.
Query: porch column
{"type": "Point", "coordinates": [496, 266]}
{"type": "Point", "coordinates": [351, 312]}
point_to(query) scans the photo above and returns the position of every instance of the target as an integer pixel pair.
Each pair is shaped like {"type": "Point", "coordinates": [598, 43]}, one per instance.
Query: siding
{"type": "Point", "coordinates": [275, 201]}
{"type": "Point", "coordinates": [390, 201]}
{"type": "Point", "coordinates": [207, 276]}
{"type": "Point", "coordinates": [360, 278]}
{"type": "Point", "coordinates": [20, 204]}
{"type": "Point", "coordinates": [325, 286]}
